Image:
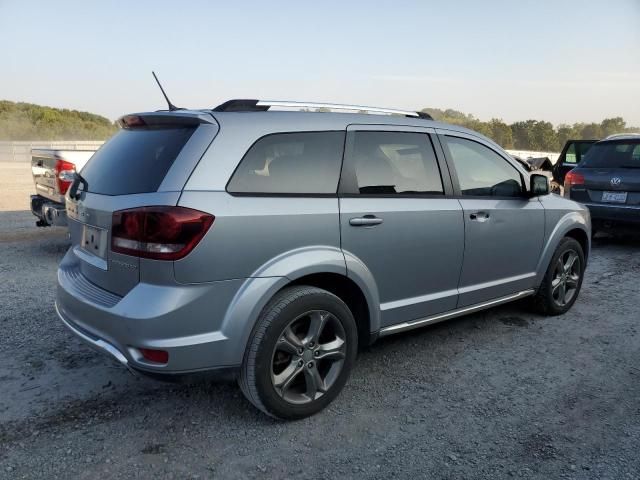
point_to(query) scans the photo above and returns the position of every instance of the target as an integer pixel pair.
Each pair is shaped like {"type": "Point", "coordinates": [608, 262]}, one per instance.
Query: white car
{"type": "Point", "coordinates": [53, 172]}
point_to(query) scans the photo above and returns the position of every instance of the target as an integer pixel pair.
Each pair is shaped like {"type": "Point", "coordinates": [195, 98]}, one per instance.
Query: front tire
{"type": "Point", "coordinates": [300, 353]}
{"type": "Point", "coordinates": [562, 281]}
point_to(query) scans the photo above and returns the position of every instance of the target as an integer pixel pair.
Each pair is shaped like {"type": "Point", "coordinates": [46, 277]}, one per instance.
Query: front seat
{"type": "Point", "coordinates": [373, 172]}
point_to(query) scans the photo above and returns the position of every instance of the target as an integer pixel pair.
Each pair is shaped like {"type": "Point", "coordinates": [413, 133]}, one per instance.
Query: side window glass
{"type": "Point", "coordinates": [570, 155]}
{"type": "Point", "coordinates": [394, 163]}
{"type": "Point", "coordinates": [481, 171]}
{"type": "Point", "coordinates": [583, 148]}
{"type": "Point", "coordinates": [291, 163]}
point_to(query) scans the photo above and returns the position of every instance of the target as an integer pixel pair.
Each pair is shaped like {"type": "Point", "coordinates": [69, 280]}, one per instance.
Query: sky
{"type": "Point", "coordinates": [564, 61]}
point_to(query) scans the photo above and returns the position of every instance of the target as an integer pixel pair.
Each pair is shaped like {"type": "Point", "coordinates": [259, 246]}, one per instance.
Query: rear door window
{"type": "Point", "coordinates": [392, 163]}
{"type": "Point", "coordinates": [613, 155]}
{"type": "Point", "coordinates": [135, 160]}
{"type": "Point", "coordinates": [304, 163]}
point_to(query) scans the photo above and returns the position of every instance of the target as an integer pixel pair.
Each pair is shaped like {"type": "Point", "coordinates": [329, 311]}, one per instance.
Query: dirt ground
{"type": "Point", "coordinates": [498, 394]}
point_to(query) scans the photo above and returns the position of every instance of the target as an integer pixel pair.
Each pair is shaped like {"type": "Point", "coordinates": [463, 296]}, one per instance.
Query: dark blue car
{"type": "Point", "coordinates": [607, 180]}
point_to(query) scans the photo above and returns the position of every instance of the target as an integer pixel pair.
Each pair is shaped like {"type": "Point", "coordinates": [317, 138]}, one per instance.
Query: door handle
{"type": "Point", "coordinates": [366, 221]}
{"type": "Point", "coordinates": [479, 216]}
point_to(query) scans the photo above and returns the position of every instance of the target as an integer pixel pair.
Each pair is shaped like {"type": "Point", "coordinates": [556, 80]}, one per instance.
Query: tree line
{"type": "Point", "coordinates": [536, 135]}
{"type": "Point", "coordinates": [26, 121]}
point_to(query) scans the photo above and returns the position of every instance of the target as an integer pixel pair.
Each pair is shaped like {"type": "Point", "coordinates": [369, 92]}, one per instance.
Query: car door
{"type": "Point", "coordinates": [504, 228]}
{"type": "Point", "coordinates": [396, 218]}
{"type": "Point", "coordinates": [571, 156]}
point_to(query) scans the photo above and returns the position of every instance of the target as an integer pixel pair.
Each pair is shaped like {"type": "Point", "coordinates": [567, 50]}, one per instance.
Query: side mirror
{"type": "Point", "coordinates": [539, 185]}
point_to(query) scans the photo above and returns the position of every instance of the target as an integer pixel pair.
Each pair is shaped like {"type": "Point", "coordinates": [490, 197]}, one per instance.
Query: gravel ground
{"type": "Point", "coordinates": [498, 394]}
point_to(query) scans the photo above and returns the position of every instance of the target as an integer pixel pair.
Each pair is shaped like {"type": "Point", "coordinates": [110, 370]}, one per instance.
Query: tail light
{"type": "Point", "coordinates": [572, 178]}
{"type": "Point", "coordinates": [65, 173]}
{"type": "Point", "coordinates": [159, 233]}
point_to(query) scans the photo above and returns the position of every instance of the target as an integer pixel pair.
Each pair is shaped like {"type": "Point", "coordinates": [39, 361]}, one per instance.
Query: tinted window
{"type": "Point", "coordinates": [304, 163]}
{"type": "Point", "coordinates": [570, 155]}
{"type": "Point", "coordinates": [394, 163]}
{"type": "Point", "coordinates": [481, 171]}
{"type": "Point", "coordinates": [583, 148]}
{"type": "Point", "coordinates": [613, 155]}
{"type": "Point", "coordinates": [134, 161]}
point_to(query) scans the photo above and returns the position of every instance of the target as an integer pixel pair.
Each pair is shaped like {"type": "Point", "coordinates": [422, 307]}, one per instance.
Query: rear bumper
{"type": "Point", "coordinates": [96, 343]}
{"type": "Point", "coordinates": [187, 321]}
{"type": "Point", "coordinates": [49, 212]}
{"type": "Point", "coordinates": [221, 373]}
{"type": "Point", "coordinates": [614, 213]}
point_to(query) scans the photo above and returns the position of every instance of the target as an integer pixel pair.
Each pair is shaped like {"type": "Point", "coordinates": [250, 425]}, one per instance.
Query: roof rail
{"type": "Point", "coordinates": [622, 135]}
{"type": "Point", "coordinates": [244, 105]}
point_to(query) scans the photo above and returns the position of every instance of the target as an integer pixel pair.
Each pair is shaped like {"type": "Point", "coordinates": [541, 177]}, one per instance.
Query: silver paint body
{"type": "Point", "coordinates": [428, 261]}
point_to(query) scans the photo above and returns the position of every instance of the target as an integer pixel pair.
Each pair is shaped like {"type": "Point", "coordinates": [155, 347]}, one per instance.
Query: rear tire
{"type": "Point", "coordinates": [562, 281]}
{"type": "Point", "coordinates": [300, 353]}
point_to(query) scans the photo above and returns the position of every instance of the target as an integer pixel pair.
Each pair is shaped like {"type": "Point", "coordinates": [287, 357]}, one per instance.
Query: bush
{"type": "Point", "coordinates": [26, 121]}
{"type": "Point", "coordinates": [533, 135]}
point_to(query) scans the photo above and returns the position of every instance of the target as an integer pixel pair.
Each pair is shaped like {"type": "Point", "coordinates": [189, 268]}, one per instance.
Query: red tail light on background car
{"type": "Point", "coordinates": [159, 233]}
{"type": "Point", "coordinates": [571, 179]}
{"type": "Point", "coordinates": [65, 173]}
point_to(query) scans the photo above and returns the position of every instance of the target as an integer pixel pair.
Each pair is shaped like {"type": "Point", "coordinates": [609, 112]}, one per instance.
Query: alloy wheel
{"type": "Point", "coordinates": [308, 357]}
{"type": "Point", "coordinates": [566, 278]}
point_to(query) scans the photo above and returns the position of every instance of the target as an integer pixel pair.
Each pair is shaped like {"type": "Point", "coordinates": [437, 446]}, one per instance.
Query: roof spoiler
{"type": "Point", "coordinates": [180, 118]}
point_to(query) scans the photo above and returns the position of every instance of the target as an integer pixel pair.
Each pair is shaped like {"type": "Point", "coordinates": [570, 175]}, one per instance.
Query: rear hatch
{"type": "Point", "coordinates": [145, 164]}
{"type": "Point", "coordinates": [609, 174]}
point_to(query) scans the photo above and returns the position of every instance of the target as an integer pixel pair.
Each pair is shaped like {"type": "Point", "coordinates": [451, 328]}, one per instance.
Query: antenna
{"type": "Point", "coordinates": [172, 107]}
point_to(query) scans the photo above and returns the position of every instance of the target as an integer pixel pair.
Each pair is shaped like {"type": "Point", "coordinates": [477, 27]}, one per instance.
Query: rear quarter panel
{"type": "Point", "coordinates": [250, 235]}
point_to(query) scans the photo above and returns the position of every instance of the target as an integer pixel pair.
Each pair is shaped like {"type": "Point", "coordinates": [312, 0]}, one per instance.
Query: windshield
{"type": "Point", "coordinates": [613, 155]}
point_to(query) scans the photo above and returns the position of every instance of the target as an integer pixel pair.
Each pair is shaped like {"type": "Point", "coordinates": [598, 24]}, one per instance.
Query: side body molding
{"type": "Point", "coordinates": [257, 290]}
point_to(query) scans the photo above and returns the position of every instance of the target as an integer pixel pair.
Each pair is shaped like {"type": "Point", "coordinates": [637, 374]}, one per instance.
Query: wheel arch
{"type": "Point", "coordinates": [573, 225]}
{"type": "Point", "coordinates": [350, 293]}
{"type": "Point", "coordinates": [323, 267]}
{"type": "Point", "coordinates": [582, 238]}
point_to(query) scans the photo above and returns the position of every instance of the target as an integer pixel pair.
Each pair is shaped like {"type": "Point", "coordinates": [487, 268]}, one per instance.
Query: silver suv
{"type": "Point", "coordinates": [269, 245]}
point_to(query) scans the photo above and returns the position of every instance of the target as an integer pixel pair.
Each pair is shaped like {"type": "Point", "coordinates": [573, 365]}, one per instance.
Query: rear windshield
{"type": "Point", "coordinates": [613, 155]}
{"type": "Point", "coordinates": [135, 160]}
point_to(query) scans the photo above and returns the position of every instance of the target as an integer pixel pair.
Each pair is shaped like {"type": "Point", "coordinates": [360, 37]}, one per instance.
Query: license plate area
{"type": "Point", "coordinates": [614, 197]}
{"type": "Point", "coordinates": [94, 241]}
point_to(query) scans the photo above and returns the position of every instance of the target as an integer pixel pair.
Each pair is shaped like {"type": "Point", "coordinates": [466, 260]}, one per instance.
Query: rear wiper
{"type": "Point", "coordinates": [73, 190]}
